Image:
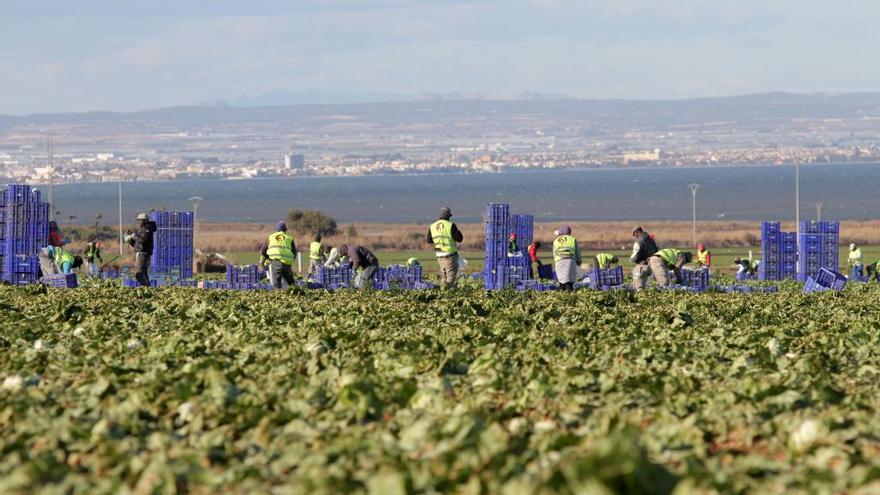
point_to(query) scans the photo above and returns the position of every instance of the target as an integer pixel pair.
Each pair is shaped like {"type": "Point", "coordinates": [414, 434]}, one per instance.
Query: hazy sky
{"type": "Point", "coordinates": [123, 54]}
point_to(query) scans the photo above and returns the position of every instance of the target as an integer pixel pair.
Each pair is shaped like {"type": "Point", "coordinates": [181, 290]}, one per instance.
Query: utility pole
{"type": "Point", "coordinates": [797, 206]}
{"type": "Point", "coordinates": [120, 218]}
{"type": "Point", "coordinates": [195, 200]}
{"type": "Point", "coordinates": [818, 212]}
{"type": "Point", "coordinates": [694, 188]}
{"type": "Point", "coordinates": [50, 154]}
{"type": "Point", "coordinates": [98, 218]}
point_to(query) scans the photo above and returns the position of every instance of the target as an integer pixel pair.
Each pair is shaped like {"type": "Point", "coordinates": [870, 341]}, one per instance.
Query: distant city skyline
{"type": "Point", "coordinates": [124, 55]}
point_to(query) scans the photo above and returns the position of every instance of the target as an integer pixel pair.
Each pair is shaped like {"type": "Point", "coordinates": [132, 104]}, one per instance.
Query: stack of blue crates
{"type": "Point", "coordinates": [605, 278]}
{"type": "Point", "coordinates": [497, 232]}
{"type": "Point", "coordinates": [819, 247]}
{"type": "Point", "coordinates": [779, 254]}
{"type": "Point", "coordinates": [172, 244]}
{"type": "Point", "coordinates": [24, 230]}
{"type": "Point", "coordinates": [249, 274]}
{"type": "Point", "coordinates": [334, 277]}
{"type": "Point", "coordinates": [61, 281]}
{"type": "Point", "coordinates": [698, 279]}
{"type": "Point", "coordinates": [523, 225]}
{"type": "Point", "coordinates": [502, 269]}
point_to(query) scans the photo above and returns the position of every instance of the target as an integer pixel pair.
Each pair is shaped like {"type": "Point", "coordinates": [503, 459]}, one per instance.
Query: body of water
{"type": "Point", "coordinates": [846, 191]}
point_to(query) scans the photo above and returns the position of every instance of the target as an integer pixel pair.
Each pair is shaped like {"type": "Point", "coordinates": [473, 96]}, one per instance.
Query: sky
{"type": "Point", "coordinates": [62, 56]}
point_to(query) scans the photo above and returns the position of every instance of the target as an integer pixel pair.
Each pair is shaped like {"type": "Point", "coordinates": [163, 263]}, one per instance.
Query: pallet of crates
{"type": "Point", "coordinates": [247, 274]}
{"type": "Point", "coordinates": [61, 280]}
{"type": "Point", "coordinates": [334, 277]}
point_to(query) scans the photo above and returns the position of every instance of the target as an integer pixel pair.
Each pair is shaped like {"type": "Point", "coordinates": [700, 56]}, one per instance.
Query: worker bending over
{"type": "Point", "coordinates": [65, 261]}
{"type": "Point", "coordinates": [566, 258]}
{"type": "Point", "coordinates": [445, 236]}
{"type": "Point", "coordinates": [364, 261]}
{"type": "Point", "coordinates": [644, 248]}
{"type": "Point", "coordinates": [279, 253]}
{"type": "Point", "coordinates": [316, 256]}
{"type": "Point", "coordinates": [704, 256]}
{"type": "Point", "coordinates": [604, 261]}
{"type": "Point", "coordinates": [669, 259]}
{"type": "Point", "coordinates": [745, 266]}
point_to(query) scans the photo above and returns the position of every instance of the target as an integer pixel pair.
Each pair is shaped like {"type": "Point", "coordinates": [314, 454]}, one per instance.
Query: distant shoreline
{"type": "Point", "coordinates": [435, 174]}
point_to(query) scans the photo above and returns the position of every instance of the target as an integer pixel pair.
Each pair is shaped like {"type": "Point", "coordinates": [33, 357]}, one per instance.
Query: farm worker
{"type": "Point", "coordinates": [280, 252]}
{"type": "Point", "coordinates": [512, 248]}
{"type": "Point", "coordinates": [745, 266]}
{"type": "Point", "coordinates": [142, 242]}
{"type": "Point", "coordinates": [445, 236]}
{"type": "Point", "coordinates": [855, 259]}
{"type": "Point", "coordinates": [871, 270]}
{"type": "Point", "coordinates": [704, 256]}
{"type": "Point", "coordinates": [413, 262]}
{"type": "Point", "coordinates": [604, 261]}
{"type": "Point", "coordinates": [93, 255]}
{"type": "Point", "coordinates": [65, 261]}
{"type": "Point", "coordinates": [364, 261]}
{"type": "Point", "coordinates": [54, 235]}
{"type": "Point", "coordinates": [315, 255]}
{"type": "Point", "coordinates": [665, 260]}
{"type": "Point", "coordinates": [566, 258]}
{"type": "Point", "coordinates": [644, 248]}
{"type": "Point", "coordinates": [533, 256]}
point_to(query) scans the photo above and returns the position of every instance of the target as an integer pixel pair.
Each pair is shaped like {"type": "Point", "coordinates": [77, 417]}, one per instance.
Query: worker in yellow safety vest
{"type": "Point", "coordinates": [604, 261]}
{"type": "Point", "coordinates": [704, 256]}
{"type": "Point", "coordinates": [279, 252]}
{"type": "Point", "coordinates": [566, 258]}
{"type": "Point", "coordinates": [855, 260]}
{"type": "Point", "coordinates": [664, 260]}
{"type": "Point", "coordinates": [316, 255]}
{"type": "Point", "coordinates": [445, 236]}
{"type": "Point", "coordinates": [65, 261]}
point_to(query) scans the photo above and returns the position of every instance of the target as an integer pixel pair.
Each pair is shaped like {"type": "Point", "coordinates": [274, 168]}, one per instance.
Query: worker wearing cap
{"type": "Point", "coordinates": [445, 236]}
{"type": "Point", "coordinates": [279, 252]}
{"type": "Point", "coordinates": [665, 260]}
{"type": "Point", "coordinates": [512, 246]}
{"type": "Point", "coordinates": [412, 262]}
{"type": "Point", "coordinates": [141, 239]}
{"type": "Point", "coordinates": [855, 260]}
{"type": "Point", "coordinates": [644, 248]}
{"type": "Point", "coordinates": [316, 255]}
{"type": "Point", "coordinates": [704, 256]}
{"type": "Point", "coordinates": [566, 258]}
{"type": "Point", "coordinates": [604, 261]}
{"type": "Point", "coordinates": [534, 260]}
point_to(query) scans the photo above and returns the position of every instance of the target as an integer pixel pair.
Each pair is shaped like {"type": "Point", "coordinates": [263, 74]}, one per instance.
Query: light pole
{"type": "Point", "coordinates": [694, 188]}
{"type": "Point", "coordinates": [98, 218]}
{"type": "Point", "coordinates": [818, 212]}
{"type": "Point", "coordinates": [120, 218]}
{"type": "Point", "coordinates": [797, 207]}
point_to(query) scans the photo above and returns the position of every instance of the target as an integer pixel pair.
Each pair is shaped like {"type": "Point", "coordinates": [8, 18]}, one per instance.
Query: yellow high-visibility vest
{"type": "Point", "coordinates": [280, 248]}
{"type": "Point", "coordinates": [564, 247]}
{"type": "Point", "coordinates": [441, 234]}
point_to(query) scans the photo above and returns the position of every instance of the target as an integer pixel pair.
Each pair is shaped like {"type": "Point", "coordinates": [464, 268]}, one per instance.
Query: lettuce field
{"type": "Point", "coordinates": [109, 390]}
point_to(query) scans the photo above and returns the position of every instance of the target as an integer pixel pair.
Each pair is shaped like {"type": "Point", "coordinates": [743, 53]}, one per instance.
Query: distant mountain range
{"type": "Point", "coordinates": [315, 107]}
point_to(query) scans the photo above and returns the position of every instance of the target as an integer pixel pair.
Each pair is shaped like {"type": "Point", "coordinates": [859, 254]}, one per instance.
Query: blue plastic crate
{"type": "Point", "coordinates": [61, 281]}
{"type": "Point", "coordinates": [769, 227]}
{"type": "Point", "coordinates": [830, 279]}
{"type": "Point", "coordinates": [809, 227]}
{"type": "Point", "coordinates": [546, 272]}
{"type": "Point", "coordinates": [811, 285]}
